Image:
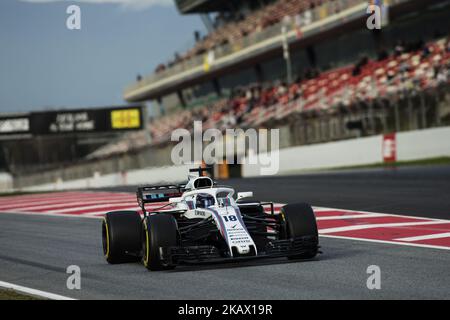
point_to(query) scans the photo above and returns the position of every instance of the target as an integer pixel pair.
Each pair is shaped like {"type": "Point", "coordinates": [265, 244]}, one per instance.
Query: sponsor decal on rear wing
{"type": "Point", "coordinates": [161, 193]}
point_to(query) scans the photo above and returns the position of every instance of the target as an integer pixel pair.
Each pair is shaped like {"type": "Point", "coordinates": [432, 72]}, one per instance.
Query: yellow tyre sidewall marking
{"type": "Point", "coordinates": [284, 220]}
{"type": "Point", "coordinates": [147, 245]}
{"type": "Point", "coordinates": [282, 215]}
{"type": "Point", "coordinates": [107, 238]}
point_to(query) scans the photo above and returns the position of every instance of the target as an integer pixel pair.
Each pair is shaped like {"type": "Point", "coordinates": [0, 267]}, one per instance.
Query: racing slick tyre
{"type": "Point", "coordinates": [121, 236]}
{"type": "Point", "coordinates": [298, 220]}
{"type": "Point", "coordinates": [159, 230]}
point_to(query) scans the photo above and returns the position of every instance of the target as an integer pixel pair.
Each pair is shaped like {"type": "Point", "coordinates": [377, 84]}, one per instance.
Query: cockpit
{"type": "Point", "coordinates": [216, 197]}
{"type": "Point", "coordinates": [204, 200]}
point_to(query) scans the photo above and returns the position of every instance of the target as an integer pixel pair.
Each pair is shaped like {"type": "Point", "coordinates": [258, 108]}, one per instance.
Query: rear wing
{"type": "Point", "coordinates": [161, 193]}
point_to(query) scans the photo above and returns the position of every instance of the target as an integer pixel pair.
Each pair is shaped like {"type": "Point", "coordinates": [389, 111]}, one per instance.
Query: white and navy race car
{"type": "Point", "coordinates": [205, 223]}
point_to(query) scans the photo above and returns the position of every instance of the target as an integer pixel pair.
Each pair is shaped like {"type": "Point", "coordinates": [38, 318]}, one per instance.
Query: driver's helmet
{"type": "Point", "coordinates": [204, 200]}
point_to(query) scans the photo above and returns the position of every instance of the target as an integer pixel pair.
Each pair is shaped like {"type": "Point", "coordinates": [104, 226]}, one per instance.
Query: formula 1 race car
{"type": "Point", "coordinates": [204, 223]}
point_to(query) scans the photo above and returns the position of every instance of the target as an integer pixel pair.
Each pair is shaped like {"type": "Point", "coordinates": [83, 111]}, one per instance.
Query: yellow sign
{"type": "Point", "coordinates": [126, 119]}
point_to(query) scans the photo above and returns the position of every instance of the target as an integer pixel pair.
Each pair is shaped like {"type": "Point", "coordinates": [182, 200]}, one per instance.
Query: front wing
{"type": "Point", "coordinates": [211, 254]}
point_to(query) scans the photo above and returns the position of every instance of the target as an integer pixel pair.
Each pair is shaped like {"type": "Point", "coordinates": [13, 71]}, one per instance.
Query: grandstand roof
{"type": "Point", "coordinates": [202, 6]}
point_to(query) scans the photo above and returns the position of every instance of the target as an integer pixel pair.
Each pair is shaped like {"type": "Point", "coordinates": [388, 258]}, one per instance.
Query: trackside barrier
{"type": "Point", "coordinates": [133, 177]}
{"type": "Point", "coordinates": [411, 145]}
{"type": "Point", "coordinates": [6, 182]}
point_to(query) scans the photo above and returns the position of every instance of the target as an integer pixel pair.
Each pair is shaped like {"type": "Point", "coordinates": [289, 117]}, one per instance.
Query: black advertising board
{"type": "Point", "coordinates": [94, 120]}
{"type": "Point", "coordinates": [86, 120]}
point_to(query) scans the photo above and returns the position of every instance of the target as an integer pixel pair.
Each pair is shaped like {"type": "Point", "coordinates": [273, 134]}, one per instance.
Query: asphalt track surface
{"type": "Point", "coordinates": [36, 250]}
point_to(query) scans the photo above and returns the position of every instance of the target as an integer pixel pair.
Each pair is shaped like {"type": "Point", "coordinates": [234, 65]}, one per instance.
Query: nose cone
{"type": "Point", "coordinates": [243, 249]}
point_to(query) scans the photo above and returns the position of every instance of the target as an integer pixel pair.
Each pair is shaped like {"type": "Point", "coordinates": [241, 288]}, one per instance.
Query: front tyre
{"type": "Point", "coordinates": [159, 231]}
{"type": "Point", "coordinates": [121, 236]}
{"type": "Point", "coordinates": [298, 220]}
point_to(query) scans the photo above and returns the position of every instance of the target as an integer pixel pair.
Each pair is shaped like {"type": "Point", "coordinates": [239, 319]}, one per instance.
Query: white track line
{"type": "Point", "coordinates": [61, 194]}
{"type": "Point", "coordinates": [62, 215]}
{"type": "Point", "coordinates": [318, 209]}
{"type": "Point", "coordinates": [135, 208]}
{"type": "Point", "coordinates": [376, 225]}
{"type": "Point", "coordinates": [33, 292]}
{"type": "Point", "coordinates": [386, 241]}
{"type": "Point", "coordinates": [77, 203]}
{"type": "Point", "coordinates": [387, 214]}
{"type": "Point", "coordinates": [39, 195]}
{"type": "Point", "coordinates": [54, 196]}
{"type": "Point", "coordinates": [44, 199]}
{"type": "Point", "coordinates": [24, 206]}
{"type": "Point", "coordinates": [354, 216]}
{"type": "Point", "coordinates": [97, 206]}
{"type": "Point", "coordinates": [426, 237]}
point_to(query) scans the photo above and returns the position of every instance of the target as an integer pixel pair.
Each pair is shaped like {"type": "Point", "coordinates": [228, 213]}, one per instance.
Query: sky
{"type": "Point", "coordinates": [44, 65]}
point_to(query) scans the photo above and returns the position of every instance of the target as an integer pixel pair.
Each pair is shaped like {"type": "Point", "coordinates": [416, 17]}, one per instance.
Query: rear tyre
{"type": "Point", "coordinates": [298, 220]}
{"type": "Point", "coordinates": [121, 236]}
{"type": "Point", "coordinates": [159, 230]}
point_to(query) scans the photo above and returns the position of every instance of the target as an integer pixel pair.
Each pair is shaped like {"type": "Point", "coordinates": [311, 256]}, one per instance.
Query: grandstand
{"type": "Point", "coordinates": [335, 92]}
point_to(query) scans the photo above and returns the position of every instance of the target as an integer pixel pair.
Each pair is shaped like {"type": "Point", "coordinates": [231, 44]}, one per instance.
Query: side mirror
{"type": "Point", "coordinates": [241, 195]}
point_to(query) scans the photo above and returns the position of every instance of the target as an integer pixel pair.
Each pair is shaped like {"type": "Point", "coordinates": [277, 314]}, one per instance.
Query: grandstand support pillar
{"type": "Point", "coordinates": [332, 127]}
{"type": "Point", "coordinates": [317, 128]}
{"type": "Point", "coordinates": [217, 87]}
{"type": "Point", "coordinates": [328, 127]}
{"type": "Point", "coordinates": [286, 54]}
{"type": "Point", "coordinates": [423, 111]}
{"type": "Point", "coordinates": [341, 120]}
{"type": "Point", "coordinates": [384, 110]}
{"type": "Point", "coordinates": [259, 73]}
{"type": "Point", "coordinates": [305, 126]}
{"type": "Point", "coordinates": [206, 19]}
{"type": "Point", "coordinates": [371, 117]}
{"type": "Point", "coordinates": [181, 98]}
{"type": "Point", "coordinates": [342, 125]}
{"type": "Point", "coordinates": [312, 57]}
{"type": "Point", "coordinates": [378, 39]}
{"type": "Point", "coordinates": [397, 117]}
{"type": "Point", "coordinates": [410, 113]}
{"type": "Point", "coordinates": [321, 125]}
{"type": "Point", "coordinates": [363, 115]}
{"type": "Point", "coordinates": [437, 109]}
{"type": "Point", "coordinates": [325, 127]}
{"type": "Point", "coordinates": [162, 110]}
{"type": "Point", "coordinates": [300, 130]}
